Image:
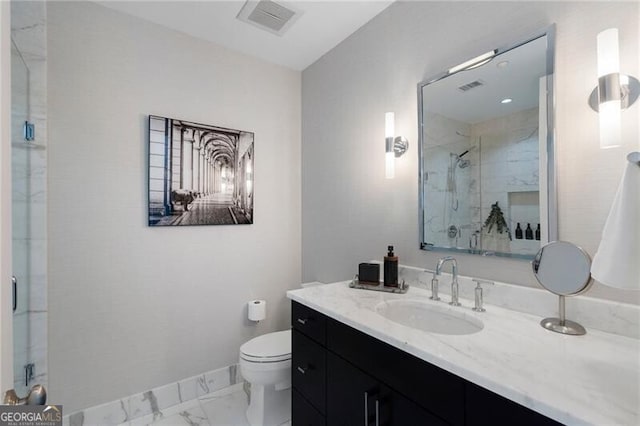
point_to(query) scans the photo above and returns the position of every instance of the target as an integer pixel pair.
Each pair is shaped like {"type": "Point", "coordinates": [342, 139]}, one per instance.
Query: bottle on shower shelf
{"type": "Point", "coordinates": [518, 232]}
{"type": "Point", "coordinates": [528, 233]}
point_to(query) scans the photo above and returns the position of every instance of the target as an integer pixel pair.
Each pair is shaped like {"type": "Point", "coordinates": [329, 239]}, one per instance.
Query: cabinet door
{"type": "Point", "coordinates": [303, 413]}
{"type": "Point", "coordinates": [354, 398]}
{"type": "Point", "coordinates": [433, 388]}
{"type": "Point", "coordinates": [308, 369]}
{"type": "Point", "coordinates": [403, 412]}
{"type": "Point", "coordinates": [487, 408]}
{"type": "Point", "coordinates": [351, 394]}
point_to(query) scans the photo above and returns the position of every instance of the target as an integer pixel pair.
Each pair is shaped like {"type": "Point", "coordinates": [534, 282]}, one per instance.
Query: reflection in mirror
{"type": "Point", "coordinates": [562, 268]}
{"type": "Point", "coordinates": [486, 153]}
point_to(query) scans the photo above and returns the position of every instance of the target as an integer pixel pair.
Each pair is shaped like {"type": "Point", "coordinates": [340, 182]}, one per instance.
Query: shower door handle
{"type": "Point", "coordinates": [14, 288]}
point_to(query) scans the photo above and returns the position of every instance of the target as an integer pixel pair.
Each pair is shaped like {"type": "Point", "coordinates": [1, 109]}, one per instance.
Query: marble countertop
{"type": "Point", "coordinates": [591, 379]}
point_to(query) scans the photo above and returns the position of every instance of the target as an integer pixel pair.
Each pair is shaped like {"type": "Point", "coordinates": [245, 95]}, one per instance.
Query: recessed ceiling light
{"type": "Point", "coordinates": [506, 100]}
{"type": "Point", "coordinates": [502, 64]}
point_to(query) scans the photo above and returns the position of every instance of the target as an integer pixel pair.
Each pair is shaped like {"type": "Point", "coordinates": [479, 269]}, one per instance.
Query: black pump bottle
{"type": "Point", "coordinates": [391, 269]}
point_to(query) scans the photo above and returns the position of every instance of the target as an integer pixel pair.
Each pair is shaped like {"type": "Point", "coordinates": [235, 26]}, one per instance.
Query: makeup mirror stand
{"type": "Point", "coordinates": [563, 269]}
{"type": "Point", "coordinates": [562, 324]}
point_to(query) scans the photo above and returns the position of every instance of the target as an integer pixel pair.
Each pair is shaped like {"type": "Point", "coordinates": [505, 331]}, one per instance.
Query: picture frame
{"type": "Point", "coordinates": [199, 174]}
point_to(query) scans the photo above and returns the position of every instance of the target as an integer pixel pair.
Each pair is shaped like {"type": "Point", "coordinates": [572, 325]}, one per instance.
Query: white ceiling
{"type": "Point", "coordinates": [322, 25]}
{"type": "Point", "coordinates": [519, 80]}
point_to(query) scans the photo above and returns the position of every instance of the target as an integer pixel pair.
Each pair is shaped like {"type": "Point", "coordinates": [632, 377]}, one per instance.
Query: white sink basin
{"type": "Point", "coordinates": [428, 317]}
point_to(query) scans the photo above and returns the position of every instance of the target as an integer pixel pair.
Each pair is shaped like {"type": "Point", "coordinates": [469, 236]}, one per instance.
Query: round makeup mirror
{"type": "Point", "coordinates": [565, 270]}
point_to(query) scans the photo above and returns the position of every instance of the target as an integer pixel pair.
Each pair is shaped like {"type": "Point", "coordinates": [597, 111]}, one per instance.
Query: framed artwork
{"type": "Point", "coordinates": [199, 174]}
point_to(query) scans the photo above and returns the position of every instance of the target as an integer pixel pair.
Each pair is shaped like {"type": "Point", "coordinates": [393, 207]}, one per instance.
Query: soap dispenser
{"type": "Point", "coordinates": [391, 268]}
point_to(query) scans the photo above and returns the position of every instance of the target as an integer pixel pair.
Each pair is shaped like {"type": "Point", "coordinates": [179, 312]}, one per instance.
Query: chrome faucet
{"type": "Point", "coordinates": [454, 280]}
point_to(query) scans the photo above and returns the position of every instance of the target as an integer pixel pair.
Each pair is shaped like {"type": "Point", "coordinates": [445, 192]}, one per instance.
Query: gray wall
{"type": "Point", "coordinates": [350, 213]}
{"type": "Point", "coordinates": [133, 307]}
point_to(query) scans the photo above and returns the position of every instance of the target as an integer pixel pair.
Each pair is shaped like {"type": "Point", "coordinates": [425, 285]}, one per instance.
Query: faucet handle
{"type": "Point", "coordinates": [434, 285]}
{"type": "Point", "coordinates": [478, 290]}
{"type": "Point", "coordinates": [480, 281]}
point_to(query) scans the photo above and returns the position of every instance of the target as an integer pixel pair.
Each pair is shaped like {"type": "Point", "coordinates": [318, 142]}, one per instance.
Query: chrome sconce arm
{"type": "Point", "coordinates": [615, 86]}
{"type": "Point", "coordinates": [394, 146]}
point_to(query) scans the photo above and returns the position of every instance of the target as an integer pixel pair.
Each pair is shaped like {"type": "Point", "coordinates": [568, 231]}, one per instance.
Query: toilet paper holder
{"type": "Point", "coordinates": [257, 310]}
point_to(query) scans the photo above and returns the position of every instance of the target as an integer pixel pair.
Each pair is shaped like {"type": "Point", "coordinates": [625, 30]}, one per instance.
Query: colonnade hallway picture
{"type": "Point", "coordinates": [199, 174]}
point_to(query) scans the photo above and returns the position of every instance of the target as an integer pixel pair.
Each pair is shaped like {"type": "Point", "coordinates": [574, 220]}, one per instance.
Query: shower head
{"type": "Point", "coordinates": [458, 161]}
{"type": "Point", "coordinates": [463, 164]}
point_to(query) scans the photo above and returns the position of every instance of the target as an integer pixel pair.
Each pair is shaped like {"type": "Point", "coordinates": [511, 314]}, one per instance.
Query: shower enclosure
{"type": "Point", "coordinates": [28, 168]}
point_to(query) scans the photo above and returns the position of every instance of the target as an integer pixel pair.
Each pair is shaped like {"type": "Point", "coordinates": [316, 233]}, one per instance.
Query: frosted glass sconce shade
{"type": "Point", "coordinates": [615, 91]}
{"type": "Point", "coordinates": [394, 146]}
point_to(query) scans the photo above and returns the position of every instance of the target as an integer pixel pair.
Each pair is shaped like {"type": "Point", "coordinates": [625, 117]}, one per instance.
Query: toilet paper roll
{"type": "Point", "coordinates": [257, 309]}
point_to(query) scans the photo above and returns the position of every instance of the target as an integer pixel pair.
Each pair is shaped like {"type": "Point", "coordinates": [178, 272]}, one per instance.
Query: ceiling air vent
{"type": "Point", "coordinates": [471, 85]}
{"type": "Point", "coordinates": [269, 15]}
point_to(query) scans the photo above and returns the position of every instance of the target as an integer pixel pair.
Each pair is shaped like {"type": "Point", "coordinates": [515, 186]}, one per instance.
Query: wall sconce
{"type": "Point", "coordinates": [614, 92]}
{"type": "Point", "coordinates": [395, 146]}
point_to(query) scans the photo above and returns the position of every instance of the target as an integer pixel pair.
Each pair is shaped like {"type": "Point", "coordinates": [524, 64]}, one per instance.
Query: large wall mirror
{"type": "Point", "coordinates": [487, 173]}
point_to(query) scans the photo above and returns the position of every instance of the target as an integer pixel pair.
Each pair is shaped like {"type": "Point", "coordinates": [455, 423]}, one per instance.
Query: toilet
{"type": "Point", "coordinates": [265, 362]}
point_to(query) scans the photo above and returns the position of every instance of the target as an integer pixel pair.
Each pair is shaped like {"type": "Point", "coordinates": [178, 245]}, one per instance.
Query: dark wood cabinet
{"type": "Point", "coordinates": [431, 387]}
{"type": "Point", "coordinates": [343, 377]}
{"type": "Point", "coordinates": [303, 413]}
{"type": "Point", "coordinates": [309, 322]}
{"type": "Point", "coordinates": [356, 398]}
{"type": "Point", "coordinates": [351, 393]}
{"type": "Point", "coordinates": [308, 371]}
{"type": "Point", "coordinates": [487, 408]}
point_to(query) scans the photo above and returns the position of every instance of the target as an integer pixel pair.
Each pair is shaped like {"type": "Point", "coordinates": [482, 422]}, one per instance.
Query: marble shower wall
{"type": "Point", "coordinates": [449, 189]}
{"type": "Point", "coordinates": [503, 158]}
{"type": "Point", "coordinates": [29, 192]}
{"type": "Point", "coordinates": [509, 174]}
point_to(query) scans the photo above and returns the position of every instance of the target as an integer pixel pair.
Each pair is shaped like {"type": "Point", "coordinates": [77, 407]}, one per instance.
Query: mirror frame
{"type": "Point", "coordinates": [550, 154]}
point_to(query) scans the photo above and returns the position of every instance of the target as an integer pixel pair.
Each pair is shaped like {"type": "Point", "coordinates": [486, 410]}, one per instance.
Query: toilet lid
{"type": "Point", "coordinates": [271, 347]}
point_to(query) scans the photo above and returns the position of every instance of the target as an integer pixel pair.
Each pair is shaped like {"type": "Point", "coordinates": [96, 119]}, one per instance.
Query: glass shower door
{"type": "Point", "coordinates": [19, 166]}
{"type": "Point", "coordinates": [29, 234]}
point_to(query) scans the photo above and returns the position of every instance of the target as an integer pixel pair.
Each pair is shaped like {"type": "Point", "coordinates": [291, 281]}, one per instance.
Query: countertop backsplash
{"type": "Point", "coordinates": [605, 315]}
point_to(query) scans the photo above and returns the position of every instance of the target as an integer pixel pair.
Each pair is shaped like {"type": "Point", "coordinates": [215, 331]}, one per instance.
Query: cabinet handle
{"type": "Point", "coordinates": [302, 370]}
{"type": "Point", "coordinates": [377, 413]}
{"type": "Point", "coordinates": [366, 409]}
{"type": "Point", "coordinates": [302, 321]}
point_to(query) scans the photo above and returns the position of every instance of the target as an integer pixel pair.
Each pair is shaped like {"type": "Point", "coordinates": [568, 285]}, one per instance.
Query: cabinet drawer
{"type": "Point", "coordinates": [303, 413]}
{"type": "Point", "coordinates": [308, 368]}
{"type": "Point", "coordinates": [436, 390]}
{"type": "Point", "coordinates": [308, 322]}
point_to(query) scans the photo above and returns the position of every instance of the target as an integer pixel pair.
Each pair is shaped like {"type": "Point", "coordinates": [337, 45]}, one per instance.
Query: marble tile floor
{"type": "Point", "coordinates": [225, 407]}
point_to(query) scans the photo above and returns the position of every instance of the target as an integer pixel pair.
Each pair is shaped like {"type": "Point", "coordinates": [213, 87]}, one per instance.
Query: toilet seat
{"type": "Point", "coordinates": [268, 348]}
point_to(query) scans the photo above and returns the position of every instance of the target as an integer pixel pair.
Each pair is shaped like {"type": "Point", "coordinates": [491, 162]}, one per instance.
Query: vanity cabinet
{"type": "Point", "coordinates": [356, 398]}
{"type": "Point", "coordinates": [341, 376]}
